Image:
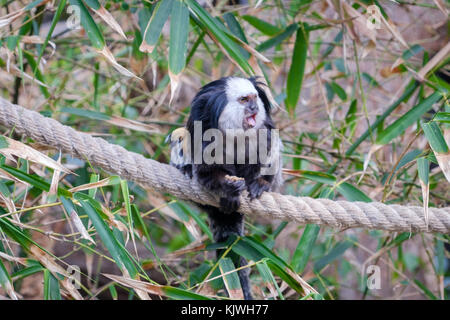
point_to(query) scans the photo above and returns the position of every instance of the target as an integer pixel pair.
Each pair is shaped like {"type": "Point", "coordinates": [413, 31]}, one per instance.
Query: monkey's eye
{"type": "Point", "coordinates": [243, 99]}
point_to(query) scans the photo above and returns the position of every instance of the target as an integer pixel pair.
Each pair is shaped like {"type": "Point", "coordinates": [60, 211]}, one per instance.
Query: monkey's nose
{"type": "Point", "coordinates": [252, 107]}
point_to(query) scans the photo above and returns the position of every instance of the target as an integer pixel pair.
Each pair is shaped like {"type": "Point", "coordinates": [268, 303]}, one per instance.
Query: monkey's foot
{"type": "Point", "coordinates": [257, 187]}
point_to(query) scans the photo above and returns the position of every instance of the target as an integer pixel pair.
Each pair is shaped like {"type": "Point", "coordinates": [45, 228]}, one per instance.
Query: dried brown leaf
{"type": "Point", "coordinates": [23, 151]}
{"type": "Point", "coordinates": [109, 19]}
{"type": "Point", "coordinates": [122, 70]}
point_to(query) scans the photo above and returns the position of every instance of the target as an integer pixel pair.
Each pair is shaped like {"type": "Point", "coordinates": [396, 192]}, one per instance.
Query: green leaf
{"type": "Point", "coordinates": [234, 26]}
{"type": "Point", "coordinates": [33, 4]}
{"type": "Point", "coordinates": [51, 287]}
{"type": "Point", "coordinates": [155, 25]}
{"type": "Point", "coordinates": [339, 91]}
{"type": "Point", "coordinates": [95, 115]}
{"type": "Point", "coordinates": [279, 38]}
{"type": "Point", "coordinates": [34, 180]}
{"type": "Point", "coordinates": [181, 294]}
{"type": "Point", "coordinates": [407, 158]}
{"type": "Point", "coordinates": [261, 25]}
{"type": "Point", "coordinates": [30, 59]}
{"type": "Point", "coordinates": [117, 251]}
{"type": "Point", "coordinates": [88, 23]}
{"type": "Point", "coordinates": [409, 90]}
{"type": "Point", "coordinates": [237, 31]}
{"type": "Point", "coordinates": [112, 180]}
{"type": "Point", "coordinates": [349, 191]}
{"type": "Point", "coordinates": [412, 51]}
{"type": "Point", "coordinates": [352, 193]}
{"type": "Point", "coordinates": [298, 6]}
{"type": "Point", "coordinates": [425, 290]}
{"type": "Point", "coordinates": [285, 276]}
{"type": "Point", "coordinates": [351, 118]}
{"type": "Point", "coordinates": [20, 236]}
{"type": "Point", "coordinates": [297, 70]}
{"type": "Point", "coordinates": [335, 253]}
{"type": "Point", "coordinates": [179, 28]}
{"type": "Point", "coordinates": [126, 199]}
{"type": "Point", "coordinates": [5, 279]}
{"type": "Point", "coordinates": [94, 4]}
{"type": "Point", "coordinates": [113, 291]}
{"type": "Point", "coordinates": [3, 142]}
{"type": "Point", "coordinates": [257, 251]}
{"type": "Point", "coordinates": [230, 280]}
{"type": "Point", "coordinates": [435, 137]}
{"type": "Point", "coordinates": [252, 249]}
{"type": "Point", "coordinates": [423, 168]}
{"type": "Point", "coordinates": [409, 118]}
{"type": "Point", "coordinates": [220, 33]}
{"type": "Point", "coordinates": [305, 247]}
{"type": "Point", "coordinates": [32, 268]}
{"type": "Point", "coordinates": [440, 255]}
{"type": "Point", "coordinates": [268, 278]}
{"type": "Point", "coordinates": [442, 117]}
{"type": "Point", "coordinates": [371, 81]}
{"type": "Point", "coordinates": [190, 212]}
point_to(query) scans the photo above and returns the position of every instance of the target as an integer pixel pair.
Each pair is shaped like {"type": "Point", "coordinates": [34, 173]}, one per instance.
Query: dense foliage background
{"type": "Point", "coordinates": [362, 108]}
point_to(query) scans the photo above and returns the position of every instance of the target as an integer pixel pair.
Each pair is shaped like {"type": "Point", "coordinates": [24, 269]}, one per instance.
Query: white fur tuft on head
{"type": "Point", "coordinates": [234, 112]}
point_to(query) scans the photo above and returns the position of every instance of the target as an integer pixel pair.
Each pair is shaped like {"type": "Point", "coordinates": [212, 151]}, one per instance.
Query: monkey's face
{"type": "Point", "coordinates": [244, 109]}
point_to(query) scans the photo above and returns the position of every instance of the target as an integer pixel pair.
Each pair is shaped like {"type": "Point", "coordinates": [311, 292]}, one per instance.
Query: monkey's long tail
{"type": "Point", "coordinates": [224, 225]}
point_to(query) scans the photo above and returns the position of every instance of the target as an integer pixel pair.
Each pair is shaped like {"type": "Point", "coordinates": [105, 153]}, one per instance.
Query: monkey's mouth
{"type": "Point", "coordinates": [250, 121]}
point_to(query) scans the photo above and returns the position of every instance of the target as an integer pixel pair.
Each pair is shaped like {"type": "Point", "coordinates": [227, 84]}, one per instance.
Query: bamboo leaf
{"type": "Point", "coordinates": [106, 16]}
{"type": "Point", "coordinates": [10, 147]}
{"type": "Point", "coordinates": [442, 117]}
{"type": "Point", "coordinates": [339, 91]}
{"type": "Point", "coordinates": [155, 25]}
{"type": "Point", "coordinates": [304, 247]}
{"type": "Point", "coordinates": [97, 40]}
{"type": "Point", "coordinates": [218, 33]}
{"type": "Point", "coordinates": [440, 148]}
{"type": "Point", "coordinates": [5, 281]}
{"type": "Point", "coordinates": [297, 70]}
{"type": "Point", "coordinates": [118, 253]}
{"type": "Point", "coordinates": [279, 38]}
{"type": "Point", "coordinates": [234, 26]}
{"type": "Point", "coordinates": [73, 215]}
{"type": "Point", "coordinates": [165, 291]}
{"type": "Point", "coordinates": [335, 253]}
{"type": "Point", "coordinates": [268, 279]}
{"type": "Point", "coordinates": [435, 137]}
{"type": "Point", "coordinates": [179, 27]}
{"type": "Point", "coordinates": [350, 192]}
{"type": "Point", "coordinates": [33, 180]}
{"type": "Point", "coordinates": [409, 118]}
{"type": "Point", "coordinates": [231, 279]}
{"type": "Point", "coordinates": [34, 66]}
{"type": "Point", "coordinates": [423, 168]}
{"type": "Point", "coordinates": [88, 23]}
{"type": "Point", "coordinates": [261, 25]}
{"type": "Point", "coordinates": [251, 249]}
{"type": "Point", "coordinates": [51, 286]}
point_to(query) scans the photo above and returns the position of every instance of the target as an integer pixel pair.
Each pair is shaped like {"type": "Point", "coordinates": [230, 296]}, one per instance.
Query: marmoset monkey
{"type": "Point", "coordinates": [224, 115]}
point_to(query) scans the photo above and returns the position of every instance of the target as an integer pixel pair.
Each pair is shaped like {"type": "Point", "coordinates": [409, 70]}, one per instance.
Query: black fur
{"type": "Point", "coordinates": [207, 107]}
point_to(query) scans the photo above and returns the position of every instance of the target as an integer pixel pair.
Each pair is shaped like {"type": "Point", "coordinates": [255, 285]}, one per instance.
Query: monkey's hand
{"type": "Point", "coordinates": [257, 187]}
{"type": "Point", "coordinates": [232, 189]}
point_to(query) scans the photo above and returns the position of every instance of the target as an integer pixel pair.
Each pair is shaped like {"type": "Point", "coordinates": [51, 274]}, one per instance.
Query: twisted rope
{"type": "Point", "coordinates": [164, 178]}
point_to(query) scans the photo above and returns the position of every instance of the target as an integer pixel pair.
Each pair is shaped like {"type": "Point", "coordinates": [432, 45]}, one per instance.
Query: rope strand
{"type": "Point", "coordinates": [164, 178]}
